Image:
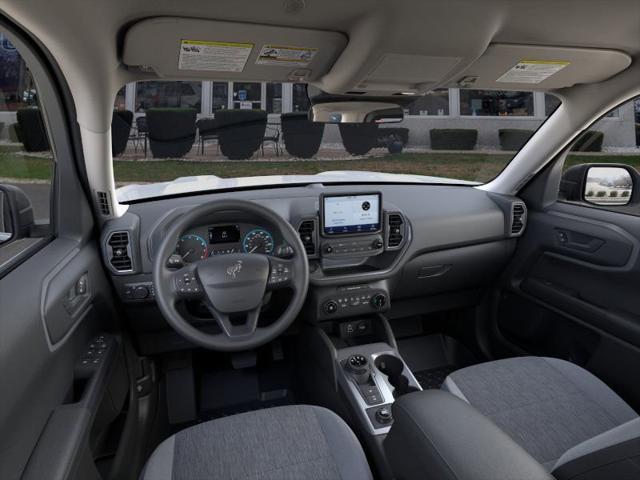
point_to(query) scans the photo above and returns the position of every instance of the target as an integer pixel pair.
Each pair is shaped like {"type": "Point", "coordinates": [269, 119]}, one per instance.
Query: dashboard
{"type": "Point", "coordinates": [398, 249]}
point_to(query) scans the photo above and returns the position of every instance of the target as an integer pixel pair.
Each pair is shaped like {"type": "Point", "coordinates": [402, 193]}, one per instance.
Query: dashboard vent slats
{"type": "Point", "coordinates": [119, 252]}
{"type": "Point", "coordinates": [395, 230]}
{"type": "Point", "coordinates": [518, 218]}
{"type": "Point", "coordinates": [307, 232]}
{"type": "Point", "coordinates": [103, 203]}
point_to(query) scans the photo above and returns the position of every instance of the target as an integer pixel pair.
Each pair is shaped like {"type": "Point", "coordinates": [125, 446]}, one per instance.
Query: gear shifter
{"type": "Point", "coordinates": [358, 366]}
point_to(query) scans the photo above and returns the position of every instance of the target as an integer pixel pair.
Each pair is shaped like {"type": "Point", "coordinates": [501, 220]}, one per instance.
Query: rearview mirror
{"type": "Point", "coordinates": [356, 112]}
{"type": "Point", "coordinates": [608, 186]}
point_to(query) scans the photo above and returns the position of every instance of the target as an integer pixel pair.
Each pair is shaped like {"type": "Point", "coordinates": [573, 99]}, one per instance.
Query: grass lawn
{"type": "Point", "coordinates": [472, 166]}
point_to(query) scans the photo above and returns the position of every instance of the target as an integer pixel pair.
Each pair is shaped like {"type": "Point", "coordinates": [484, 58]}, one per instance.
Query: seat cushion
{"type": "Point", "coordinates": [546, 405]}
{"type": "Point", "coordinates": [282, 443]}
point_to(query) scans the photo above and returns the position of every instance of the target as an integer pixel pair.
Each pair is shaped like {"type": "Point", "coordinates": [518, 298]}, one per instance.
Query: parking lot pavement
{"type": "Point", "coordinates": [39, 194]}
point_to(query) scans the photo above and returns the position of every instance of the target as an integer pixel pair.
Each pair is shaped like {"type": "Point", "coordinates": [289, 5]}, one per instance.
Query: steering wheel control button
{"type": "Point", "coordinates": [187, 284]}
{"type": "Point", "coordinates": [280, 274]}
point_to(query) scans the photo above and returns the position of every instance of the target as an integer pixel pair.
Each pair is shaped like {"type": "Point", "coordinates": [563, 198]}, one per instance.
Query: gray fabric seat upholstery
{"type": "Point", "coordinates": [292, 442]}
{"type": "Point", "coordinates": [548, 406]}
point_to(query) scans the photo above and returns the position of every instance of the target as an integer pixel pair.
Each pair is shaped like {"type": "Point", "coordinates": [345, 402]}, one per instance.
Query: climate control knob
{"type": "Point", "coordinates": [330, 307]}
{"type": "Point", "coordinates": [377, 244]}
{"type": "Point", "coordinates": [378, 301]}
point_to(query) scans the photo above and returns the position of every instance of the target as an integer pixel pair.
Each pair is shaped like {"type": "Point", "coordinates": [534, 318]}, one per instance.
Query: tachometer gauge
{"type": "Point", "coordinates": [258, 241]}
{"type": "Point", "coordinates": [191, 248]}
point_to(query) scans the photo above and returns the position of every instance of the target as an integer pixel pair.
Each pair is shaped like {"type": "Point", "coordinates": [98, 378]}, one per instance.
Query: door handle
{"type": "Point", "coordinates": [578, 241]}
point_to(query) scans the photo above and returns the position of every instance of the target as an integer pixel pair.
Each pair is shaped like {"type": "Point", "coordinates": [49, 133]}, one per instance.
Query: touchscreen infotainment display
{"type": "Point", "coordinates": [351, 214]}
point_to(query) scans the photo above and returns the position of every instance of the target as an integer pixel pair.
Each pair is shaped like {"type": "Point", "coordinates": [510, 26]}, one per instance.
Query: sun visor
{"type": "Point", "coordinates": [209, 49]}
{"type": "Point", "coordinates": [526, 67]}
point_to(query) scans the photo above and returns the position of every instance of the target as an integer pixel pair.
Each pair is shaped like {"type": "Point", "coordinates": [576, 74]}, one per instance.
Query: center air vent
{"type": "Point", "coordinates": [307, 231]}
{"type": "Point", "coordinates": [119, 252]}
{"type": "Point", "coordinates": [395, 231]}
{"type": "Point", "coordinates": [518, 218]}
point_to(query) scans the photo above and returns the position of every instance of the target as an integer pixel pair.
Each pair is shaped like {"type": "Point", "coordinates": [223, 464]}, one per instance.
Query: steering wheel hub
{"type": "Point", "coordinates": [234, 283]}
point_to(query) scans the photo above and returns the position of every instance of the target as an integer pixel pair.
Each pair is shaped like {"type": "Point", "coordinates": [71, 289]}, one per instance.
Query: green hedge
{"type": "Point", "coordinates": [453, 138]}
{"type": "Point", "coordinates": [172, 131]}
{"type": "Point", "coordinates": [513, 138]}
{"type": "Point", "coordinates": [589, 141]}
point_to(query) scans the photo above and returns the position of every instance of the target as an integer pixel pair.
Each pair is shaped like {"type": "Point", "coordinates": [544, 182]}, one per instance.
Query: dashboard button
{"type": "Point", "coordinates": [378, 301]}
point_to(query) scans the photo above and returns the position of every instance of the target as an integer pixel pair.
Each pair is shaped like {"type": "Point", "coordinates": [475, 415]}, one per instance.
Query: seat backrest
{"type": "Point", "coordinates": [612, 454]}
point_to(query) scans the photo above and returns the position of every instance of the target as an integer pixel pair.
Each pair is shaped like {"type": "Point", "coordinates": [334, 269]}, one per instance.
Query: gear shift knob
{"type": "Point", "coordinates": [358, 366]}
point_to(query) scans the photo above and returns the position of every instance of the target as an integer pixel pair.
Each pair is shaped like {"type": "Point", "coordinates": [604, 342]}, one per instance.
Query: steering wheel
{"type": "Point", "coordinates": [232, 286]}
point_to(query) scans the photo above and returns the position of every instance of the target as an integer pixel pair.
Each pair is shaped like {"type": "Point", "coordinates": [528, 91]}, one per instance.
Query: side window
{"type": "Point", "coordinates": [26, 159]}
{"type": "Point", "coordinates": [602, 168]}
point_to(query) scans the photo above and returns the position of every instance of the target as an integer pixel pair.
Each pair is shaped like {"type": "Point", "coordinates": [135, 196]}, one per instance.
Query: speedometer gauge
{"type": "Point", "coordinates": [191, 248]}
{"type": "Point", "coordinates": [258, 241]}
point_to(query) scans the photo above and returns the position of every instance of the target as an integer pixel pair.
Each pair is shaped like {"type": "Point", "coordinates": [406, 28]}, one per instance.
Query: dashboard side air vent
{"type": "Point", "coordinates": [119, 251]}
{"type": "Point", "coordinates": [103, 203]}
{"type": "Point", "coordinates": [308, 233]}
{"type": "Point", "coordinates": [518, 218]}
{"type": "Point", "coordinates": [396, 231]}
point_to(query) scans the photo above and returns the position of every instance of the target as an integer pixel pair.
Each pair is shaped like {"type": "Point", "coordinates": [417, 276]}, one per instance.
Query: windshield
{"type": "Point", "coordinates": [173, 137]}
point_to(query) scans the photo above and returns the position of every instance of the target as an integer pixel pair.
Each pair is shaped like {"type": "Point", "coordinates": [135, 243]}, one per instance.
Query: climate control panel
{"type": "Point", "coordinates": [361, 246]}
{"type": "Point", "coordinates": [353, 301]}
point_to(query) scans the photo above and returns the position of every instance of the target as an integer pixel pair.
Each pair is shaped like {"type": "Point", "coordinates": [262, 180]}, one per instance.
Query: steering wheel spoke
{"type": "Point", "coordinates": [235, 329]}
{"type": "Point", "coordinates": [280, 273]}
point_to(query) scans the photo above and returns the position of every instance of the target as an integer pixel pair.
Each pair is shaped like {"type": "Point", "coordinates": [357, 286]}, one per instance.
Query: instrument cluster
{"type": "Point", "coordinates": [208, 241]}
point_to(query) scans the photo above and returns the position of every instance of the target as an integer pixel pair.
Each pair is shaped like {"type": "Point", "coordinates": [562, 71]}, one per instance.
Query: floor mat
{"type": "Point", "coordinates": [434, 377]}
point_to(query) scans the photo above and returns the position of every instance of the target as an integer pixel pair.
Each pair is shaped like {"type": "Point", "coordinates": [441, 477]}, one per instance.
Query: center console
{"type": "Point", "coordinates": [372, 376]}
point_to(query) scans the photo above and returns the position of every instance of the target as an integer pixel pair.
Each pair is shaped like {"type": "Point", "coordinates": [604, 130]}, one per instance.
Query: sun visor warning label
{"type": "Point", "coordinates": [213, 56]}
{"type": "Point", "coordinates": [285, 55]}
{"type": "Point", "coordinates": [532, 71]}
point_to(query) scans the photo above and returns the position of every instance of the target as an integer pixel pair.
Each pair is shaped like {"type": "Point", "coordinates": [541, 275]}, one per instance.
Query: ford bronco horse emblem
{"type": "Point", "coordinates": [234, 270]}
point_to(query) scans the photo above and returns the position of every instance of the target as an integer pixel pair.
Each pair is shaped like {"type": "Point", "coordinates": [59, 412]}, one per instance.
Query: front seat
{"type": "Point", "coordinates": [563, 416]}
{"type": "Point", "coordinates": [291, 442]}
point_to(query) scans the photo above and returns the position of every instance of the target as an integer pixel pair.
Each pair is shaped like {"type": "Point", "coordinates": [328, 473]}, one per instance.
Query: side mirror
{"type": "Point", "coordinates": [608, 186]}
{"type": "Point", "coordinates": [16, 213]}
{"type": "Point", "coordinates": [599, 184]}
{"type": "Point", "coordinates": [356, 112]}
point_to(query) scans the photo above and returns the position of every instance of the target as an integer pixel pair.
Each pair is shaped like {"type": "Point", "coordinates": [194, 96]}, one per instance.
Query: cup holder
{"type": "Point", "coordinates": [393, 367]}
